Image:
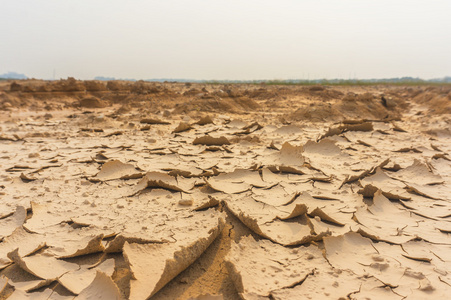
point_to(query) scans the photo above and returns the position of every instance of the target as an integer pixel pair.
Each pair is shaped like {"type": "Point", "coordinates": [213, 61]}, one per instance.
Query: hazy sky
{"type": "Point", "coordinates": [226, 39]}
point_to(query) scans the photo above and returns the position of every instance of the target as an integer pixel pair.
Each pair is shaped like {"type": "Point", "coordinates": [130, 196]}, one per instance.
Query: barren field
{"type": "Point", "coordinates": [138, 190]}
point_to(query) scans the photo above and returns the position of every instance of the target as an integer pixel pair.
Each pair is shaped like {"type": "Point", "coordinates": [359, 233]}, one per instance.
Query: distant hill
{"type": "Point", "coordinates": [102, 78]}
{"type": "Point", "coordinates": [446, 79]}
{"type": "Point", "coordinates": [398, 80]}
{"type": "Point", "coordinates": [13, 75]}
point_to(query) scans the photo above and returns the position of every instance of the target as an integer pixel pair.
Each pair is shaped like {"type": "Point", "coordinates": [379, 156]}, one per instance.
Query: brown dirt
{"type": "Point", "coordinates": [278, 191]}
{"type": "Point", "coordinates": [92, 102]}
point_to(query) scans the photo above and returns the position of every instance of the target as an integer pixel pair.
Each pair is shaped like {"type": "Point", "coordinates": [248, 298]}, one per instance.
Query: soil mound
{"type": "Point", "coordinates": [92, 102]}
{"type": "Point", "coordinates": [192, 92]}
{"type": "Point", "coordinates": [246, 103]}
{"type": "Point", "coordinates": [322, 92]}
{"type": "Point", "coordinates": [233, 93]}
{"type": "Point", "coordinates": [95, 86]}
{"type": "Point", "coordinates": [115, 86]}
{"type": "Point", "coordinates": [351, 106]}
{"type": "Point", "coordinates": [44, 88]}
{"type": "Point", "coordinates": [261, 93]}
{"type": "Point", "coordinates": [366, 106]}
{"type": "Point", "coordinates": [30, 89]}
{"type": "Point", "coordinates": [68, 85]}
{"type": "Point", "coordinates": [316, 88]}
{"type": "Point", "coordinates": [437, 99]}
{"type": "Point", "coordinates": [317, 112]}
{"type": "Point", "coordinates": [142, 88]}
{"type": "Point", "coordinates": [15, 87]}
{"type": "Point", "coordinates": [9, 101]}
{"type": "Point", "coordinates": [235, 105]}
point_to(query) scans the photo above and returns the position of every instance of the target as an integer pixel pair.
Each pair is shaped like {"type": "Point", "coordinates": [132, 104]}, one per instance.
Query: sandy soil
{"type": "Point", "coordinates": [136, 190]}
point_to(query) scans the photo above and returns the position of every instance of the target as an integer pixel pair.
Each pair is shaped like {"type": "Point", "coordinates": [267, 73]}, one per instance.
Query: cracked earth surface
{"type": "Point", "coordinates": [191, 191]}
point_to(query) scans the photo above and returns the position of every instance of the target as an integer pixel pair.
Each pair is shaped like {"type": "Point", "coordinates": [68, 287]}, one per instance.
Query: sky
{"type": "Point", "coordinates": [235, 40]}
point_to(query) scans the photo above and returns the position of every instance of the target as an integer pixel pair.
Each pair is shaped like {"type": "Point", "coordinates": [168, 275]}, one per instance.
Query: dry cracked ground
{"type": "Point", "coordinates": [141, 190]}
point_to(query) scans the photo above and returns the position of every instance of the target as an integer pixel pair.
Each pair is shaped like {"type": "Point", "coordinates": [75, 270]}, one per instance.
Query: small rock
{"type": "Point", "coordinates": [100, 118]}
{"type": "Point", "coordinates": [186, 202]}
